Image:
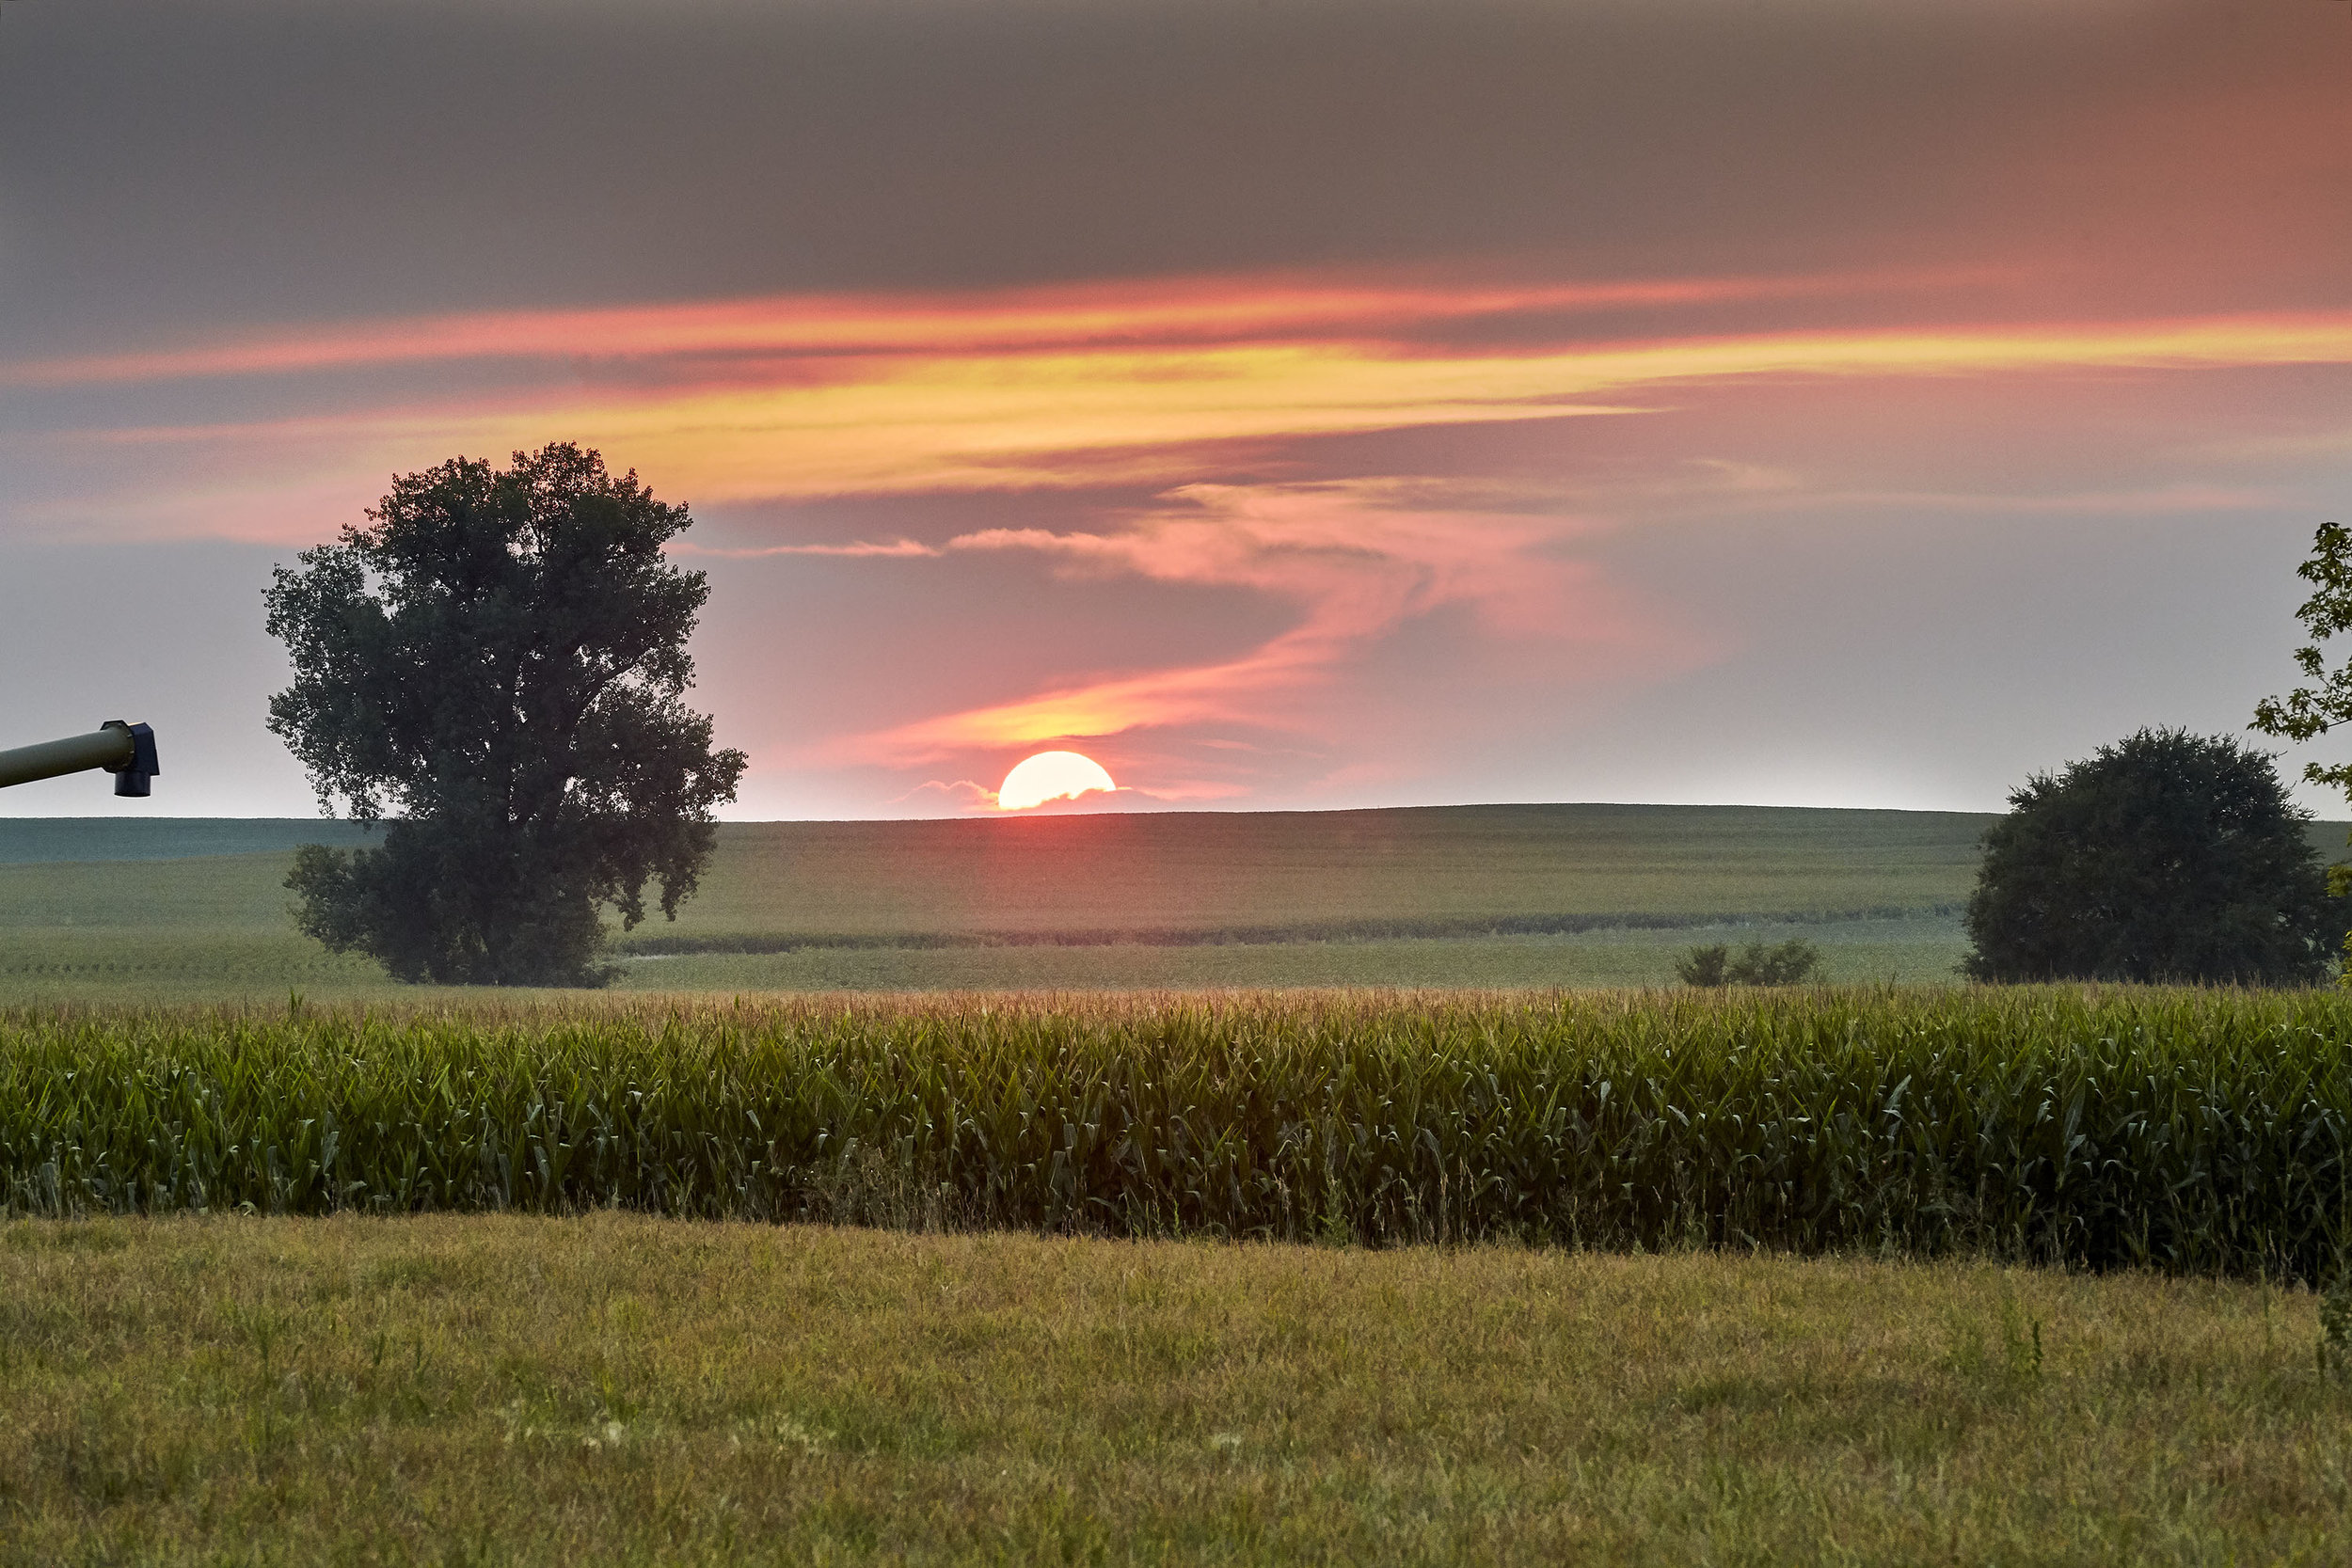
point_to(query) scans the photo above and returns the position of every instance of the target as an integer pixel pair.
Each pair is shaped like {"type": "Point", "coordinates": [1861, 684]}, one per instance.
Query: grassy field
{"type": "Point", "coordinates": [1490, 896]}
{"type": "Point", "coordinates": [617, 1389]}
{"type": "Point", "coordinates": [1805, 1336]}
{"type": "Point", "coordinates": [1052, 1347]}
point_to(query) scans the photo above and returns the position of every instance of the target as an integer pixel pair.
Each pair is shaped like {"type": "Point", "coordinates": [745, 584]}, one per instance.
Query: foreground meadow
{"type": "Point", "coordinates": [616, 1388]}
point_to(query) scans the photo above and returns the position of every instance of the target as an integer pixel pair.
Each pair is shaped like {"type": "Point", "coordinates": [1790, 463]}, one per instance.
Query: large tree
{"type": "Point", "coordinates": [2166, 857]}
{"type": "Point", "coordinates": [495, 662]}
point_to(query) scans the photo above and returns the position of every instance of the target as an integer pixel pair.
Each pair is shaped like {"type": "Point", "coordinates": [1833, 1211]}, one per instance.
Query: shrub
{"type": "Point", "coordinates": [1793, 962]}
{"type": "Point", "coordinates": [1705, 966]}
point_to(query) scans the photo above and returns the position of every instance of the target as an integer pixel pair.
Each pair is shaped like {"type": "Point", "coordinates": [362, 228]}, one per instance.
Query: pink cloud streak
{"type": "Point", "coordinates": [1358, 557]}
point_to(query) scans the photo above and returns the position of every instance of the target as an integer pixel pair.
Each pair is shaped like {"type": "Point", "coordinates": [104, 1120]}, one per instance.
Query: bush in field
{"type": "Point", "coordinates": [498, 659]}
{"type": "Point", "coordinates": [1705, 966]}
{"type": "Point", "coordinates": [2165, 857]}
{"type": "Point", "coordinates": [1791, 963]}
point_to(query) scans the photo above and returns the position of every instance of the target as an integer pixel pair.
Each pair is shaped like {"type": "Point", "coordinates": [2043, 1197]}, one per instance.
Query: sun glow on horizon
{"type": "Point", "coordinates": [1051, 776]}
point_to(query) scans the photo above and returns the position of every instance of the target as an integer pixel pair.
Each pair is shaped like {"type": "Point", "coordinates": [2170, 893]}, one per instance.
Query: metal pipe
{"type": "Point", "coordinates": [117, 748]}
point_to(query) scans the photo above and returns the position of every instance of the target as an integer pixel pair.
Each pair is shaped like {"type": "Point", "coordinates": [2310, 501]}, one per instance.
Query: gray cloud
{"type": "Point", "coordinates": [173, 167]}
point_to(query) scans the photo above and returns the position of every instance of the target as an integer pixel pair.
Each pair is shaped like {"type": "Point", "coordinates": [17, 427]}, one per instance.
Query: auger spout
{"type": "Point", "coordinates": [126, 750]}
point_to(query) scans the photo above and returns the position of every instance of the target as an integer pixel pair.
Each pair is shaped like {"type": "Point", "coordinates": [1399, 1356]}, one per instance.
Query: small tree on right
{"type": "Point", "coordinates": [2309, 712]}
{"type": "Point", "coordinates": [2165, 857]}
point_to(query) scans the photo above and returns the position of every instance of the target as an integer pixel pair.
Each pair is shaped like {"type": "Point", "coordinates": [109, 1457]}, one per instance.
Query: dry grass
{"type": "Point", "coordinates": [621, 1389]}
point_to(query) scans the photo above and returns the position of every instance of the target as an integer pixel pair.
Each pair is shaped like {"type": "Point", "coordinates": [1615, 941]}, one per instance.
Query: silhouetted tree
{"type": "Point", "coordinates": [496, 661]}
{"type": "Point", "coordinates": [2165, 857]}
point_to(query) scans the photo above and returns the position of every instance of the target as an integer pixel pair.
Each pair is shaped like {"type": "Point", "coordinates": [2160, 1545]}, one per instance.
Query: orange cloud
{"type": "Point", "coordinates": [1012, 420]}
{"type": "Point", "coordinates": [1131, 384]}
{"type": "Point", "coordinates": [1191, 311]}
{"type": "Point", "coordinates": [998, 421]}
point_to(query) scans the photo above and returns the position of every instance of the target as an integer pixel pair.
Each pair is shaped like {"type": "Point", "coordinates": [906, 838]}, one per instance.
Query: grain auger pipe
{"type": "Point", "coordinates": [126, 750]}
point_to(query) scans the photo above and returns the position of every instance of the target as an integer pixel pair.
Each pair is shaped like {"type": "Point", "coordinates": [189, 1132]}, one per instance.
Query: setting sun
{"type": "Point", "coordinates": [1051, 776]}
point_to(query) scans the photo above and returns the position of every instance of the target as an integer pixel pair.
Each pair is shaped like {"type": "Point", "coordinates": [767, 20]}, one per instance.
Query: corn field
{"type": "Point", "coordinates": [2199, 1132]}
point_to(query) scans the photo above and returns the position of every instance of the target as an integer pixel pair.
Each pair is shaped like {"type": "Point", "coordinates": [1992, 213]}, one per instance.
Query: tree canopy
{"type": "Point", "coordinates": [2310, 711]}
{"type": "Point", "coordinates": [495, 662]}
{"type": "Point", "coordinates": [2165, 857]}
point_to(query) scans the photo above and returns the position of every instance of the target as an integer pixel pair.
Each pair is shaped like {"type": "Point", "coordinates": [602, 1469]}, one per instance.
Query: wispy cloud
{"type": "Point", "coordinates": [965, 798]}
{"type": "Point", "coordinates": [1358, 559]}
{"type": "Point", "coordinates": [896, 549]}
{"type": "Point", "coordinates": [940, 797]}
{"type": "Point", "coordinates": [1716, 488]}
{"type": "Point", "coordinates": [2155, 500]}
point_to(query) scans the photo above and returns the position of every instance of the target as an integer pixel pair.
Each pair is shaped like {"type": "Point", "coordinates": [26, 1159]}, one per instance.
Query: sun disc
{"type": "Point", "coordinates": [1051, 776]}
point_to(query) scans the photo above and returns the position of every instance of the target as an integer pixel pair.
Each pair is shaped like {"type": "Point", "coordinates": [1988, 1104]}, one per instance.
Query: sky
{"type": "Point", "coordinates": [1287, 404]}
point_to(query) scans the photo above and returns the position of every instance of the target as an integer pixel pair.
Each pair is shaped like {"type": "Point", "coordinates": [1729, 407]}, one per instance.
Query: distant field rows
{"type": "Point", "coordinates": [657, 941]}
{"type": "Point", "coordinates": [1919, 950]}
{"type": "Point", "coordinates": [1438, 871]}
{"type": "Point", "coordinates": [1481, 896]}
{"type": "Point", "coordinates": [1502, 896]}
{"type": "Point", "coordinates": [134, 965]}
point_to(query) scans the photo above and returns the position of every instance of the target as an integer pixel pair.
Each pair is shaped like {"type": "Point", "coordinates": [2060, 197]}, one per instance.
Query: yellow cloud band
{"type": "Point", "coordinates": [1013, 420]}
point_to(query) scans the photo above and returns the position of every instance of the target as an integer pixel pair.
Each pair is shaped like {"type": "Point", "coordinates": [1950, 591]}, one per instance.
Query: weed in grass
{"type": "Point", "coordinates": [2335, 1328]}
{"type": "Point", "coordinates": [2001, 1365]}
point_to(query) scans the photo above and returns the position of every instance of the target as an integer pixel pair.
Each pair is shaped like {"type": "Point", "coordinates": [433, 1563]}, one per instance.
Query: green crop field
{"type": "Point", "coordinates": [2198, 1130]}
{"type": "Point", "coordinates": [1486, 897]}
